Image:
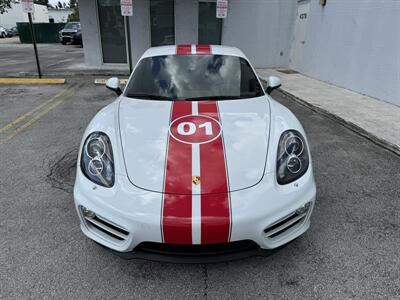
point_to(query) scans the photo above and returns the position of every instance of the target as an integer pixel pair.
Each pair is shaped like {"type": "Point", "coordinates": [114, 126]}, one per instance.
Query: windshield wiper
{"type": "Point", "coordinates": [215, 98]}
{"type": "Point", "coordinates": [149, 96]}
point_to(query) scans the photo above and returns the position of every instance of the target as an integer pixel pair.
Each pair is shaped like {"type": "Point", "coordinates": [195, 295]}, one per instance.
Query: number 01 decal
{"type": "Point", "coordinates": [194, 129]}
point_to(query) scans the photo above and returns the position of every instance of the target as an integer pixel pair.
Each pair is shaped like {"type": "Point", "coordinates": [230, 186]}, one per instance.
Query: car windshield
{"type": "Point", "coordinates": [71, 26]}
{"type": "Point", "coordinates": [193, 77]}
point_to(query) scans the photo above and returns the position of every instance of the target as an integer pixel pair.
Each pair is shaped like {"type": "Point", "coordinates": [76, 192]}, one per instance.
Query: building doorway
{"type": "Point", "coordinates": [210, 28]}
{"type": "Point", "coordinates": [112, 31]}
{"type": "Point", "coordinates": [162, 22]}
{"type": "Point", "coordinates": [300, 32]}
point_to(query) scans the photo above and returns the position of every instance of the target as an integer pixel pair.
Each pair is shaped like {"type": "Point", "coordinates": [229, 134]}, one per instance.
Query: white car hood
{"type": "Point", "coordinates": [145, 136]}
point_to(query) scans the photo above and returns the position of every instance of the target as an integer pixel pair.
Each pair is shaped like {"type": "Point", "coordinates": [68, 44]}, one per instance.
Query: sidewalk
{"type": "Point", "coordinates": [377, 120]}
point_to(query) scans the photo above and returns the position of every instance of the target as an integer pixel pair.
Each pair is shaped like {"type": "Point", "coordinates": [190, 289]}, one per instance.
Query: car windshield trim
{"type": "Point", "coordinates": [194, 78]}
{"type": "Point", "coordinates": [148, 96]}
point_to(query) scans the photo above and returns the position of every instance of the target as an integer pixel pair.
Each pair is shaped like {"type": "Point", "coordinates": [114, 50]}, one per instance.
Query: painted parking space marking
{"type": "Point", "coordinates": [38, 113]}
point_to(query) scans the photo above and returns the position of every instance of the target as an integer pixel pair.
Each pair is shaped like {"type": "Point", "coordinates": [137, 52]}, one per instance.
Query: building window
{"type": "Point", "coordinates": [112, 31]}
{"type": "Point", "coordinates": [162, 22]}
{"type": "Point", "coordinates": [210, 27]}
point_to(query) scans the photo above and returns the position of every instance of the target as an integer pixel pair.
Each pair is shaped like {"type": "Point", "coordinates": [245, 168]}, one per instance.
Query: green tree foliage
{"type": "Point", "coordinates": [73, 3]}
{"type": "Point", "coordinates": [59, 4]}
{"type": "Point", "coordinates": [5, 5]}
{"type": "Point", "coordinates": [74, 16]}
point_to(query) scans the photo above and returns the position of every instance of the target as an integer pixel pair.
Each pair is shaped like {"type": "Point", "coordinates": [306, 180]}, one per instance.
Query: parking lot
{"type": "Point", "coordinates": [350, 251]}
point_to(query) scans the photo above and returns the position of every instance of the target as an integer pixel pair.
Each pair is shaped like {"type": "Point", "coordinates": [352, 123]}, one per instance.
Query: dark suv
{"type": "Point", "coordinates": [69, 30]}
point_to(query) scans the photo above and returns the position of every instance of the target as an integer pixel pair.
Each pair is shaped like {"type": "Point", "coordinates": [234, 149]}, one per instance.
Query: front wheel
{"type": "Point", "coordinates": [63, 42]}
{"type": "Point", "coordinates": [3, 35]}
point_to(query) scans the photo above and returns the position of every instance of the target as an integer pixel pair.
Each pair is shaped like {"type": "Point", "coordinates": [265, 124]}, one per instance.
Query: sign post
{"type": "Point", "coordinates": [222, 9]}
{"type": "Point", "coordinates": [127, 11]}
{"type": "Point", "coordinates": [28, 7]}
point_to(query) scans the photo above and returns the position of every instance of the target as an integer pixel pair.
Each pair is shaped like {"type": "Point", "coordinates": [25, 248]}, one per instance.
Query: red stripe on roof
{"type": "Point", "coordinates": [203, 49]}
{"type": "Point", "coordinates": [184, 49]}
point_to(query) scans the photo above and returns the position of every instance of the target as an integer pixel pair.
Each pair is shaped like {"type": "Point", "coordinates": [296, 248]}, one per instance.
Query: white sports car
{"type": "Point", "coordinates": [194, 161]}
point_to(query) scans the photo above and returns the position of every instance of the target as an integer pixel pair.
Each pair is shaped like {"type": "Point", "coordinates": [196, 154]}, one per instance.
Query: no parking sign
{"type": "Point", "coordinates": [222, 9]}
{"type": "Point", "coordinates": [126, 8]}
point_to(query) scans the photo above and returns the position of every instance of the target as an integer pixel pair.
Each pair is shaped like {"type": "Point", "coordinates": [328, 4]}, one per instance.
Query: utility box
{"type": "Point", "coordinates": [44, 32]}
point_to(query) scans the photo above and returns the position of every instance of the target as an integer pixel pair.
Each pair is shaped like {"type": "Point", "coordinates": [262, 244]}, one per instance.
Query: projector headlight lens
{"type": "Point", "coordinates": [97, 162]}
{"type": "Point", "coordinates": [293, 159]}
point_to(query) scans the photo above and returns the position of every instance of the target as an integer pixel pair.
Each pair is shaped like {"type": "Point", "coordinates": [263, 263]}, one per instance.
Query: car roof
{"type": "Point", "coordinates": [172, 50]}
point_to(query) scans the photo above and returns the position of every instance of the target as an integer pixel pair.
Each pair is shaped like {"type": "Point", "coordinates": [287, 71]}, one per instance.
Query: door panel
{"type": "Point", "coordinates": [300, 35]}
{"type": "Point", "coordinates": [210, 27]}
{"type": "Point", "coordinates": [112, 31]}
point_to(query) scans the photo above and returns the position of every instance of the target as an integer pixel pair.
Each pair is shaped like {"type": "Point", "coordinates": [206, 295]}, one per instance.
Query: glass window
{"type": "Point", "coordinates": [209, 26]}
{"type": "Point", "coordinates": [112, 31]}
{"type": "Point", "coordinates": [162, 22]}
{"type": "Point", "coordinates": [193, 77]}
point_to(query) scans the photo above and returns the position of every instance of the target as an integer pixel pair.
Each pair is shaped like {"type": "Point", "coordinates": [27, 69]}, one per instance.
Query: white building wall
{"type": "Point", "coordinates": [90, 32]}
{"type": "Point", "coordinates": [59, 15]}
{"type": "Point", "coordinates": [262, 29]}
{"type": "Point", "coordinates": [356, 45]}
{"type": "Point", "coordinates": [15, 14]}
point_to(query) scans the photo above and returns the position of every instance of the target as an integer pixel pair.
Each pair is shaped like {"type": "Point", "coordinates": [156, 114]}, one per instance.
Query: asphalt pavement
{"type": "Point", "coordinates": [351, 250]}
{"type": "Point", "coordinates": [18, 60]}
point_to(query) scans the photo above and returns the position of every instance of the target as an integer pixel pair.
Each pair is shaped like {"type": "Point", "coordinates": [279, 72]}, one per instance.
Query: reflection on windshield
{"type": "Point", "coordinates": [194, 76]}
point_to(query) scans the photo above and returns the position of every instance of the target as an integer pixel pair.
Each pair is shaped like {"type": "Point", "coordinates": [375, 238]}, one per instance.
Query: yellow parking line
{"type": "Point", "coordinates": [36, 118]}
{"type": "Point", "coordinates": [32, 80]}
{"type": "Point", "coordinates": [25, 115]}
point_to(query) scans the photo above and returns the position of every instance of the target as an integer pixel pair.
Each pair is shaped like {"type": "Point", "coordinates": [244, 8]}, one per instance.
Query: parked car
{"type": "Point", "coordinates": [13, 31]}
{"type": "Point", "coordinates": [3, 32]}
{"type": "Point", "coordinates": [76, 39]}
{"type": "Point", "coordinates": [194, 161]}
{"type": "Point", "coordinates": [68, 31]}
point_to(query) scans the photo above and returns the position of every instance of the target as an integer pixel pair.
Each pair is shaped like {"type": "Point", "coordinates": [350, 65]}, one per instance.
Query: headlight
{"type": "Point", "coordinates": [97, 162]}
{"type": "Point", "coordinates": [292, 160]}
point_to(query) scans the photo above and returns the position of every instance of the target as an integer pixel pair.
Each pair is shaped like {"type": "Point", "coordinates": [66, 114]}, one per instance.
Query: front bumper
{"type": "Point", "coordinates": [128, 217]}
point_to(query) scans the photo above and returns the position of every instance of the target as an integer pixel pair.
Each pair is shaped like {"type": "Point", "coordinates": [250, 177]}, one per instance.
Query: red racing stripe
{"type": "Point", "coordinates": [177, 209]}
{"type": "Point", "coordinates": [203, 49]}
{"type": "Point", "coordinates": [184, 49]}
{"type": "Point", "coordinates": [215, 203]}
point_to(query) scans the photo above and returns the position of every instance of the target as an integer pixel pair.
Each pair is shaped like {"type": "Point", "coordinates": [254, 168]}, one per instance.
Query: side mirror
{"type": "Point", "coordinates": [113, 84]}
{"type": "Point", "coordinates": [274, 82]}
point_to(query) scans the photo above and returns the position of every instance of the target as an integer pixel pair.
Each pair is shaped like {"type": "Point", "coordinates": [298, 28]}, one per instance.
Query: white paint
{"type": "Point", "coordinates": [196, 189]}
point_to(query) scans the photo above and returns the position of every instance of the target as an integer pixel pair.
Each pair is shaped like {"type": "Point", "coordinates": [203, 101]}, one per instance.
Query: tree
{"type": "Point", "coordinates": [59, 4]}
{"type": "Point", "coordinates": [74, 16]}
{"type": "Point", "coordinates": [42, 2]}
{"type": "Point", "coordinates": [5, 5]}
{"type": "Point", "coordinates": [72, 3]}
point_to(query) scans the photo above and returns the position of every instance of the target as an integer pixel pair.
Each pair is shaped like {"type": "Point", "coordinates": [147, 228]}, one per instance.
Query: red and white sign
{"type": "Point", "coordinates": [27, 6]}
{"type": "Point", "coordinates": [222, 9]}
{"type": "Point", "coordinates": [126, 8]}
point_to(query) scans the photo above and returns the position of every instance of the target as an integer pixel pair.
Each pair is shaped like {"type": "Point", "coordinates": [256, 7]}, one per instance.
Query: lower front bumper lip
{"type": "Point", "coordinates": [193, 258]}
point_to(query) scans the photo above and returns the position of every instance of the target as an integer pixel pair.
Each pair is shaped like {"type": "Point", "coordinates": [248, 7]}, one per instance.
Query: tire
{"type": "Point", "coordinates": [3, 35]}
{"type": "Point", "coordinates": [63, 42]}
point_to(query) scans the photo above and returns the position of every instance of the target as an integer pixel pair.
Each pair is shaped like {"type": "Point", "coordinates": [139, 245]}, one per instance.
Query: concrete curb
{"type": "Point", "coordinates": [32, 80]}
{"type": "Point", "coordinates": [353, 127]}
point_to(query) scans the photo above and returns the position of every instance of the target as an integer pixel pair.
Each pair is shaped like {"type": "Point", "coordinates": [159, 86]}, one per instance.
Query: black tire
{"type": "Point", "coordinates": [3, 35]}
{"type": "Point", "coordinates": [63, 42]}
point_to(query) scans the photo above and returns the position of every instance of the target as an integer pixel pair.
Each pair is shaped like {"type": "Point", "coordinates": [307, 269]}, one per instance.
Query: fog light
{"type": "Point", "coordinates": [303, 209]}
{"type": "Point", "coordinates": [87, 212]}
